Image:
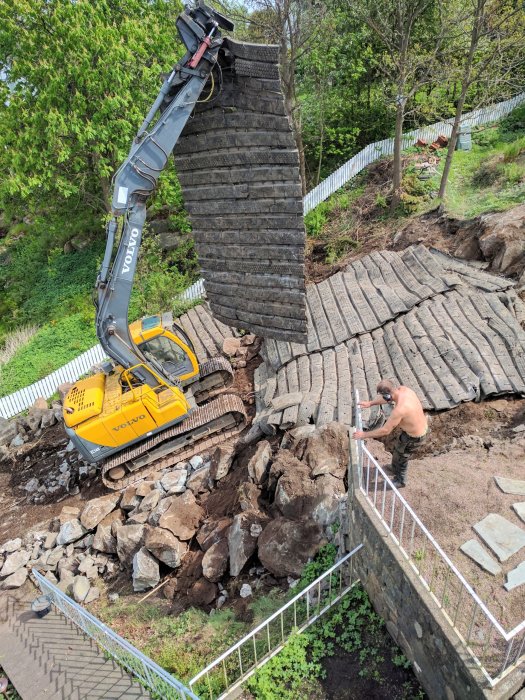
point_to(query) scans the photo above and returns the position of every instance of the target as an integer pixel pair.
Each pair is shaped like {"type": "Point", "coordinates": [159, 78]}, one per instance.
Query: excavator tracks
{"type": "Point", "coordinates": [215, 374]}
{"type": "Point", "coordinates": [206, 427]}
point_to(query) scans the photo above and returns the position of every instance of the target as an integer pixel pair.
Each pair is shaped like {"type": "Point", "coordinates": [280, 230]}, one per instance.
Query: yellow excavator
{"type": "Point", "coordinates": [152, 405]}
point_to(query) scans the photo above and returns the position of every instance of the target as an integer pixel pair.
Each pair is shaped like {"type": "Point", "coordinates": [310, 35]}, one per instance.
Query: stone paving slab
{"type": "Point", "coordinates": [475, 551]}
{"type": "Point", "coordinates": [514, 486]}
{"type": "Point", "coordinates": [50, 659]}
{"type": "Point", "coordinates": [516, 577]}
{"type": "Point", "coordinates": [502, 536]}
{"type": "Point", "coordinates": [520, 509]}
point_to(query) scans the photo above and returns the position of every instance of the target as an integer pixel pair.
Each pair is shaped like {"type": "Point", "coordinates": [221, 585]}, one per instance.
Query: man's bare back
{"type": "Point", "coordinates": [410, 411]}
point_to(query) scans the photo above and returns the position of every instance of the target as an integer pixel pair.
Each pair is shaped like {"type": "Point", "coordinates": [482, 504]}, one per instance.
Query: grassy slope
{"type": "Point", "coordinates": [490, 177]}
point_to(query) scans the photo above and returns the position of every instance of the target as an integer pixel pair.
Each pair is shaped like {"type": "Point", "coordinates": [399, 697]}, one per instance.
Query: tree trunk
{"type": "Point", "coordinates": [465, 84]}
{"type": "Point", "coordinates": [398, 145]}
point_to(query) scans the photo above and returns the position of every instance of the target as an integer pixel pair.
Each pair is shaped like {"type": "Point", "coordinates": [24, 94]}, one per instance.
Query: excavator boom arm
{"type": "Point", "coordinates": [137, 178]}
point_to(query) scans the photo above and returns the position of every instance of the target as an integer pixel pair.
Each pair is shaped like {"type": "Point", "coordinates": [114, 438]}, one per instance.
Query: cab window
{"type": "Point", "coordinates": [172, 358]}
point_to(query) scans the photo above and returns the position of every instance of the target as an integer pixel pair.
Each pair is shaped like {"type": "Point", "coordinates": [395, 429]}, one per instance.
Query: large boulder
{"type": "Point", "coordinates": [130, 539]}
{"type": "Point", "coordinates": [159, 510]}
{"type": "Point", "coordinates": [326, 450]}
{"type": "Point", "coordinates": [259, 462]}
{"type": "Point", "coordinates": [330, 492]}
{"type": "Point", "coordinates": [502, 240]}
{"type": "Point", "coordinates": [8, 431]}
{"type": "Point", "coordinates": [145, 570]}
{"type": "Point", "coordinates": [11, 546]}
{"type": "Point", "coordinates": [97, 509]}
{"type": "Point", "coordinates": [215, 560]}
{"type": "Point", "coordinates": [81, 586]}
{"type": "Point", "coordinates": [15, 580]}
{"type": "Point", "coordinates": [212, 531]}
{"type": "Point", "coordinates": [104, 541]}
{"type": "Point", "coordinates": [242, 539]}
{"type": "Point", "coordinates": [221, 460]}
{"type": "Point", "coordinates": [71, 531]}
{"type": "Point", "coordinates": [200, 481]}
{"type": "Point", "coordinates": [296, 494]}
{"type": "Point", "coordinates": [15, 561]}
{"type": "Point", "coordinates": [203, 592]}
{"type": "Point", "coordinates": [285, 546]}
{"type": "Point", "coordinates": [183, 516]}
{"type": "Point", "coordinates": [69, 513]}
{"type": "Point", "coordinates": [149, 502]}
{"type": "Point", "coordinates": [175, 481]}
{"type": "Point", "coordinates": [165, 546]}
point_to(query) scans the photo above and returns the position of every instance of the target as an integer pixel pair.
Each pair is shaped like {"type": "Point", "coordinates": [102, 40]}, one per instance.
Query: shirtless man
{"type": "Point", "coordinates": [408, 415]}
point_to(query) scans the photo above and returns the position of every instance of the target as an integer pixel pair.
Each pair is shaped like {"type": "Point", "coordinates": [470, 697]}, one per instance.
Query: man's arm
{"type": "Point", "coordinates": [379, 401]}
{"type": "Point", "coordinates": [393, 421]}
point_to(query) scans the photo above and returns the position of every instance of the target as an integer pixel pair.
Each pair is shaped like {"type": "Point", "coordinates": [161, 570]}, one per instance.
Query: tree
{"type": "Point", "coordinates": [411, 34]}
{"type": "Point", "coordinates": [78, 77]}
{"type": "Point", "coordinates": [490, 53]}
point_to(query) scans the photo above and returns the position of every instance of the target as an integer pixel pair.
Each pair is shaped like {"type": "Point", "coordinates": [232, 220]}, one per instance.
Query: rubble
{"type": "Point", "coordinates": [166, 525]}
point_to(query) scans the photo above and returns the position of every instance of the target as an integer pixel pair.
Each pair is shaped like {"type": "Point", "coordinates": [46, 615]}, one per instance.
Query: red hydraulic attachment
{"type": "Point", "coordinates": [206, 42]}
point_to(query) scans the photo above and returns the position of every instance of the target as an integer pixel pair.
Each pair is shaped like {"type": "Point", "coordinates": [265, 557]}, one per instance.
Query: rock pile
{"type": "Point", "coordinates": [53, 466]}
{"type": "Point", "coordinates": [264, 510]}
{"type": "Point", "coordinates": [241, 350]}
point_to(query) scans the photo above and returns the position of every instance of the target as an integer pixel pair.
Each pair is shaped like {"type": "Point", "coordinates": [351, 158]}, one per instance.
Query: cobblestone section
{"type": "Point", "coordinates": [239, 170]}
{"type": "Point", "coordinates": [447, 329]}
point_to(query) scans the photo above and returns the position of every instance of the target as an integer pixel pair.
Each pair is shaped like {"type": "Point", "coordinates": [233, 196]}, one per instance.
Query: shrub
{"type": "Point", "coordinates": [513, 173]}
{"type": "Point", "coordinates": [316, 219]}
{"type": "Point", "coordinates": [513, 150]}
{"type": "Point", "coordinates": [515, 121]}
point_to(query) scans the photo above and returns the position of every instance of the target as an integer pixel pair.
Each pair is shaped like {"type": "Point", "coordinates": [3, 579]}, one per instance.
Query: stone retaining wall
{"type": "Point", "coordinates": [415, 622]}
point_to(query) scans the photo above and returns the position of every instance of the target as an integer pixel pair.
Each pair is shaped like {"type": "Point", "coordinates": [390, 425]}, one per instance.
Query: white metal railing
{"type": "Point", "coordinates": [380, 149]}
{"type": "Point", "coordinates": [239, 662]}
{"type": "Point", "coordinates": [496, 651]}
{"type": "Point", "coordinates": [149, 674]}
{"type": "Point", "coordinates": [15, 403]}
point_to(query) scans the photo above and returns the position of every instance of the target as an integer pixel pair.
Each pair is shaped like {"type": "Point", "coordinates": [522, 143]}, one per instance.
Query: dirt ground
{"type": "Point", "coordinates": [451, 487]}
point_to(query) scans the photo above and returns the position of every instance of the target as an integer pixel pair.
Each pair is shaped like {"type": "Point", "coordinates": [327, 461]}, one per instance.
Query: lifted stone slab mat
{"type": "Point", "coordinates": [502, 536]}
{"type": "Point", "coordinates": [475, 551]}
{"type": "Point", "coordinates": [516, 577]}
{"type": "Point", "coordinates": [515, 486]}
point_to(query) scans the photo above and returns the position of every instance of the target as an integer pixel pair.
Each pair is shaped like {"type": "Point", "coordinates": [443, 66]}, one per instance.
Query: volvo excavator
{"type": "Point", "coordinates": [152, 405]}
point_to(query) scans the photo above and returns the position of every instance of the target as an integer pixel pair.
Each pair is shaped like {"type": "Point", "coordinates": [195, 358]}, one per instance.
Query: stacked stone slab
{"type": "Point", "coordinates": [239, 169]}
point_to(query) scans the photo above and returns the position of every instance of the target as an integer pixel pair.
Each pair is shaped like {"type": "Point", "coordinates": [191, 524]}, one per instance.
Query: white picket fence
{"type": "Point", "coordinates": [380, 149]}
{"type": "Point", "coordinates": [15, 403]}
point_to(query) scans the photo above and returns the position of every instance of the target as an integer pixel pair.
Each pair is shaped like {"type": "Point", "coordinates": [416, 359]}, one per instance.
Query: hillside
{"type": "Point", "coordinates": [52, 304]}
{"type": "Point", "coordinates": [356, 220]}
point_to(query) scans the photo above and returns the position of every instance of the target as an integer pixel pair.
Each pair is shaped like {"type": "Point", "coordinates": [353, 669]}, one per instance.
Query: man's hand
{"type": "Point", "coordinates": [365, 404]}
{"type": "Point", "coordinates": [359, 435]}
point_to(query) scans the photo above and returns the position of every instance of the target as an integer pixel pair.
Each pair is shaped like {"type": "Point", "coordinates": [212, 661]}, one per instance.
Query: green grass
{"type": "Point", "coordinates": [490, 177]}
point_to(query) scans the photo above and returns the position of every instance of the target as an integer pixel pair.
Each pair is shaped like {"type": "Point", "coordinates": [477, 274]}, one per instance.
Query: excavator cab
{"type": "Point", "coordinates": [166, 347]}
